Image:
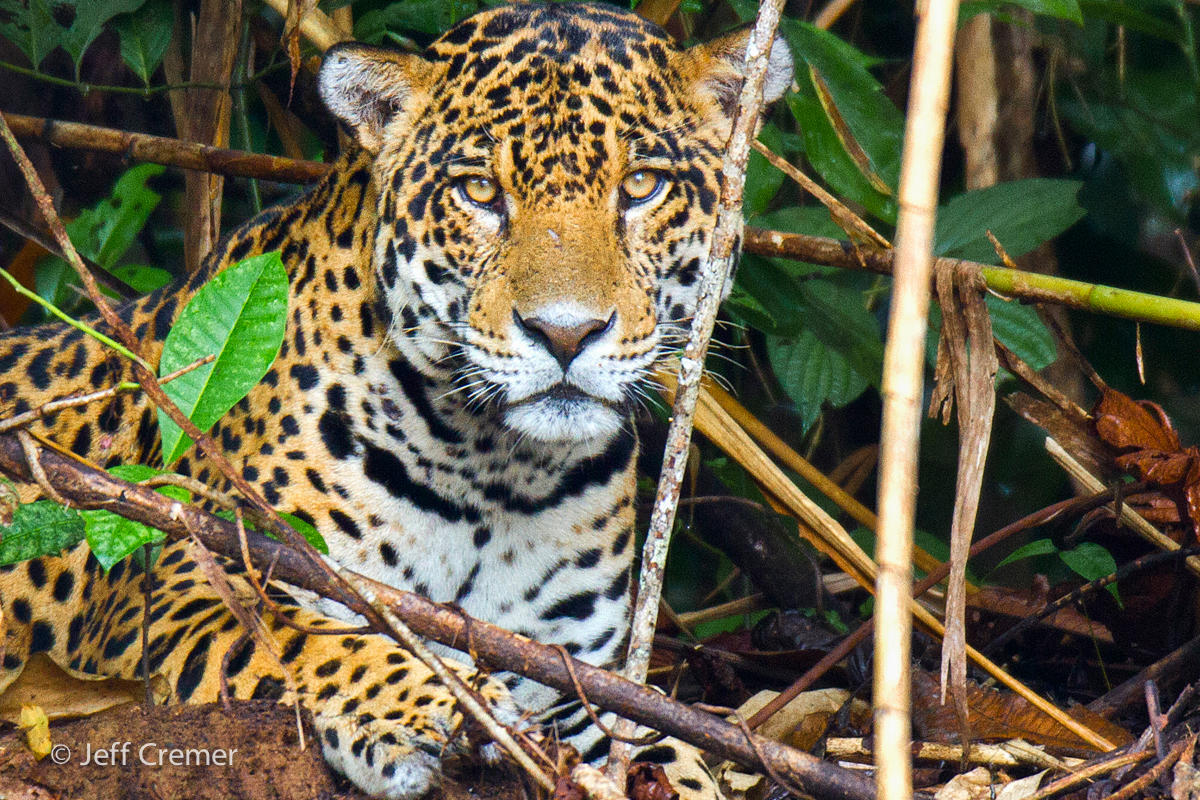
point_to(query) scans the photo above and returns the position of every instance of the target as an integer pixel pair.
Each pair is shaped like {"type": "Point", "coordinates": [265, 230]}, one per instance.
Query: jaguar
{"type": "Point", "coordinates": [479, 291]}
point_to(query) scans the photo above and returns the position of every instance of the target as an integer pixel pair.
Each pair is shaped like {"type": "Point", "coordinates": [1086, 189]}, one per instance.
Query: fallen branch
{"type": "Point", "coordinates": [87, 487]}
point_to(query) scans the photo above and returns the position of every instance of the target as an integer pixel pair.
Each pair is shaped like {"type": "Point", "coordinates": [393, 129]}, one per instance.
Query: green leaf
{"type": "Point", "coordinates": [834, 310]}
{"type": "Point", "coordinates": [1019, 328]}
{"type": "Point", "coordinates": [144, 36]}
{"type": "Point", "coordinates": [141, 277]}
{"type": "Point", "coordinates": [1091, 562]}
{"type": "Point", "coordinates": [307, 530]}
{"type": "Point", "coordinates": [31, 27]}
{"type": "Point", "coordinates": [762, 179]}
{"type": "Point", "coordinates": [302, 527]}
{"type": "Point", "coordinates": [1021, 215]}
{"type": "Point", "coordinates": [103, 233]}
{"type": "Point", "coordinates": [1016, 326]}
{"type": "Point", "coordinates": [239, 317]}
{"type": "Point", "coordinates": [112, 537]}
{"type": "Point", "coordinates": [813, 374]}
{"type": "Point", "coordinates": [40, 528]}
{"type": "Point", "coordinates": [429, 17]}
{"type": "Point", "coordinates": [855, 117]}
{"type": "Point", "coordinates": [1059, 9]}
{"type": "Point", "coordinates": [90, 16]}
{"type": "Point", "coordinates": [1038, 547]}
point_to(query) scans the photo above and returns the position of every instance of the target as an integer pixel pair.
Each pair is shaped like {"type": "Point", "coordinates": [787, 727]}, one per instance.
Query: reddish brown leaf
{"type": "Point", "coordinates": [646, 781]}
{"type": "Point", "coordinates": [1125, 423]}
{"type": "Point", "coordinates": [566, 789]}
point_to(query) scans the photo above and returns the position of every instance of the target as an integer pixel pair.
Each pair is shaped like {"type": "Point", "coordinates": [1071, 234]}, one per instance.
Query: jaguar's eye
{"type": "Point", "coordinates": [642, 185]}
{"type": "Point", "coordinates": [480, 190]}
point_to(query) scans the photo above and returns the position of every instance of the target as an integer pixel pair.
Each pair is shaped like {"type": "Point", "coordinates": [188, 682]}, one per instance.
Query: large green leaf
{"type": "Point", "coordinates": [112, 537]}
{"type": "Point", "coordinates": [40, 528]}
{"type": "Point", "coordinates": [104, 232]}
{"type": "Point", "coordinates": [812, 374]}
{"type": "Point", "coordinates": [1016, 326]}
{"type": "Point", "coordinates": [1021, 215]}
{"type": "Point", "coordinates": [90, 16]}
{"type": "Point", "coordinates": [239, 317]}
{"type": "Point", "coordinates": [145, 35]}
{"type": "Point", "coordinates": [834, 310]}
{"type": "Point", "coordinates": [31, 27]}
{"type": "Point", "coordinates": [1091, 562]}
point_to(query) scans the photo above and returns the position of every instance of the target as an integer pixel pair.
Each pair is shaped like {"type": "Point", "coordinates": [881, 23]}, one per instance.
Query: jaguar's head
{"type": "Point", "coordinates": [548, 182]}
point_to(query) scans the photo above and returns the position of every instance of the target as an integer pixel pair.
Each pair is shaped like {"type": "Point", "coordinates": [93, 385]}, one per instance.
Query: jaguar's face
{"type": "Point", "coordinates": [548, 180]}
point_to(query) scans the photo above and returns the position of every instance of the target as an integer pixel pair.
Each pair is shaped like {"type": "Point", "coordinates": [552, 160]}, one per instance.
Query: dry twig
{"type": "Point", "coordinates": [715, 271]}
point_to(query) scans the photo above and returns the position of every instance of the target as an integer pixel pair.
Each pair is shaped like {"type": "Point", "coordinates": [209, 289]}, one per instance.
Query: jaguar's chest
{"type": "Point", "coordinates": [410, 485]}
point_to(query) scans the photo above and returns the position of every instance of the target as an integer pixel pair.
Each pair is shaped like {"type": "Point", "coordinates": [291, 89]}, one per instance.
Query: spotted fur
{"type": "Point", "coordinates": [477, 296]}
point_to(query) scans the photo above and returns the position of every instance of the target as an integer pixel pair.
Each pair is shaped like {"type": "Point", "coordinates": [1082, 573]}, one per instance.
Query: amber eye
{"type": "Point", "coordinates": [480, 190]}
{"type": "Point", "coordinates": [642, 185]}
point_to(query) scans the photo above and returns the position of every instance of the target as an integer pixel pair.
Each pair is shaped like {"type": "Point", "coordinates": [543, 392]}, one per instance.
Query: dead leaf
{"type": "Point", "coordinates": [973, 785]}
{"type": "Point", "coordinates": [1149, 448]}
{"type": "Point", "coordinates": [37, 730]}
{"type": "Point", "coordinates": [1000, 716]}
{"type": "Point", "coordinates": [46, 685]}
{"type": "Point", "coordinates": [645, 781]}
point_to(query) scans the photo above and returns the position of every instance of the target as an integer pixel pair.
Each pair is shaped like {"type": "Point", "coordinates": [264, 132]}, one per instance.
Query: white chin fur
{"type": "Point", "coordinates": [556, 420]}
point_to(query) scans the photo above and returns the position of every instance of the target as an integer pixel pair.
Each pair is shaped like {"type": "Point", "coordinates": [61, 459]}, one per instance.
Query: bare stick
{"type": "Point", "coordinates": [468, 699]}
{"type": "Point", "coordinates": [73, 400]}
{"type": "Point", "coordinates": [715, 272]}
{"type": "Point", "coordinates": [903, 376]}
{"type": "Point", "coordinates": [165, 150]}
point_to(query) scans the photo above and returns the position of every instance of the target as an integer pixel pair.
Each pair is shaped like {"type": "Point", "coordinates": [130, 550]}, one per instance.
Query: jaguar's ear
{"type": "Point", "coordinates": [717, 69]}
{"type": "Point", "coordinates": [366, 87]}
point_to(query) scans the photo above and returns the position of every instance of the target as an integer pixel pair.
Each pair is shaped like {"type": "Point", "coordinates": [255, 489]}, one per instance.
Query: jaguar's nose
{"type": "Point", "coordinates": [564, 342]}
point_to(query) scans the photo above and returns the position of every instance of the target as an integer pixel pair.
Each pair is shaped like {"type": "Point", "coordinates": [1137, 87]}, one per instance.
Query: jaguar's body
{"type": "Point", "coordinates": [476, 291]}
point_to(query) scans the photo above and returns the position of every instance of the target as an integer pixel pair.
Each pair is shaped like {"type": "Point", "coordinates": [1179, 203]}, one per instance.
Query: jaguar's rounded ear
{"type": "Point", "coordinates": [366, 87]}
{"type": "Point", "coordinates": [717, 69]}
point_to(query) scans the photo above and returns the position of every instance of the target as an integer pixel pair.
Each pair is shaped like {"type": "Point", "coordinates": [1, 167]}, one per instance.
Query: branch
{"type": "Point", "coordinates": [88, 487]}
{"type": "Point", "coordinates": [714, 273]}
{"type": "Point", "coordinates": [1030, 287]}
{"type": "Point", "coordinates": [164, 150]}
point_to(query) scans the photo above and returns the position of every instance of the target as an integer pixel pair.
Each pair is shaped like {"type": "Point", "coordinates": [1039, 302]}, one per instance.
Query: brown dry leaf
{"type": "Point", "coordinates": [1074, 433]}
{"type": "Point", "coordinates": [1149, 448]}
{"type": "Point", "coordinates": [45, 684]}
{"type": "Point", "coordinates": [999, 716]}
{"type": "Point", "coordinates": [803, 721]}
{"type": "Point", "coordinates": [645, 781]}
{"type": "Point", "coordinates": [296, 11]}
{"type": "Point", "coordinates": [37, 730]}
{"type": "Point", "coordinates": [966, 368]}
{"type": "Point", "coordinates": [1020, 604]}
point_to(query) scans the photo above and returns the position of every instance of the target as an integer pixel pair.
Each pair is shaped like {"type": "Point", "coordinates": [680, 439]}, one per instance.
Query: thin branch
{"type": "Point", "coordinates": [143, 147]}
{"type": "Point", "coordinates": [70, 401]}
{"type": "Point", "coordinates": [715, 272]}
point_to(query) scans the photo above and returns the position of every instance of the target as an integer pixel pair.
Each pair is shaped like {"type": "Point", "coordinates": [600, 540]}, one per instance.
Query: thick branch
{"type": "Point", "coordinates": [87, 487]}
{"type": "Point", "coordinates": [164, 150]}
